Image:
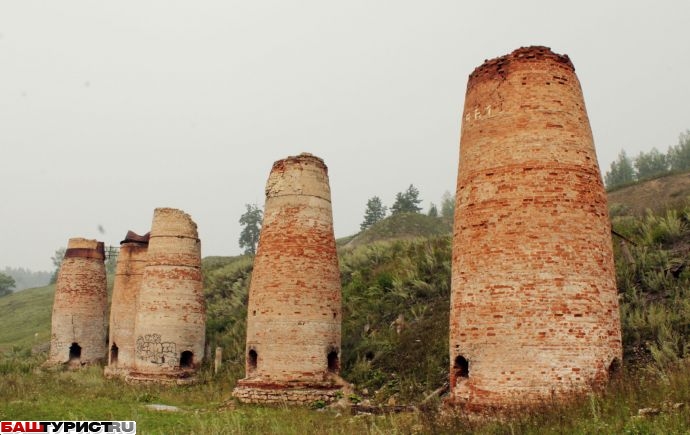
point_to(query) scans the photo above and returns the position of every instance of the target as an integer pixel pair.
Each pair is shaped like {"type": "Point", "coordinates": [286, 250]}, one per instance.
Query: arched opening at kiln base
{"type": "Point", "coordinates": [186, 360]}
{"type": "Point", "coordinates": [333, 361]}
{"type": "Point", "coordinates": [615, 369]}
{"type": "Point", "coordinates": [252, 359]}
{"type": "Point", "coordinates": [461, 367]}
{"type": "Point", "coordinates": [74, 351]}
{"type": "Point", "coordinates": [113, 354]}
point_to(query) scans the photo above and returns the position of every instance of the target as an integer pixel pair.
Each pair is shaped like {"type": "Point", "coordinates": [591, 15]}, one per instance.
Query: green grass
{"type": "Point", "coordinates": [207, 408]}
{"type": "Point", "coordinates": [25, 314]}
{"type": "Point", "coordinates": [204, 408]}
{"type": "Point", "coordinates": [400, 226]}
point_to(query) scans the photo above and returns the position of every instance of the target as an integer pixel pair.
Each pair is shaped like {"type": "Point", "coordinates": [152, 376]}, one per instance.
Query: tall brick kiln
{"type": "Point", "coordinates": [534, 309]}
{"type": "Point", "coordinates": [294, 311]}
{"type": "Point", "coordinates": [128, 276]}
{"type": "Point", "coordinates": [79, 310]}
{"type": "Point", "coordinates": [170, 320]}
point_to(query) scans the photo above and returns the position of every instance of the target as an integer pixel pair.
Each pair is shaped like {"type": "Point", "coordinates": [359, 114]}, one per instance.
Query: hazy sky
{"type": "Point", "coordinates": [111, 109]}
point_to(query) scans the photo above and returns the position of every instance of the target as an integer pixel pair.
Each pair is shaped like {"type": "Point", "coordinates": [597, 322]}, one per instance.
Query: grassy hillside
{"type": "Point", "coordinates": [26, 317]}
{"type": "Point", "coordinates": [402, 226]}
{"type": "Point", "coordinates": [395, 344]}
{"type": "Point", "coordinates": [395, 299]}
{"type": "Point", "coordinates": [656, 195]}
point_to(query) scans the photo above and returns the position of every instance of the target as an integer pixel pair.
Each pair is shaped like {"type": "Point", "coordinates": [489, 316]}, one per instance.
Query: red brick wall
{"type": "Point", "coordinates": [79, 307]}
{"type": "Point", "coordinates": [534, 306]}
{"type": "Point", "coordinates": [171, 312]}
{"type": "Point", "coordinates": [128, 275]}
{"type": "Point", "coordinates": [294, 311]}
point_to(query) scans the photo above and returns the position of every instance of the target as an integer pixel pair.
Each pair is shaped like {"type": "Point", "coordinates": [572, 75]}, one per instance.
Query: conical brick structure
{"type": "Point", "coordinates": [79, 309]}
{"type": "Point", "coordinates": [169, 328]}
{"type": "Point", "coordinates": [129, 272]}
{"type": "Point", "coordinates": [294, 312]}
{"type": "Point", "coordinates": [534, 308]}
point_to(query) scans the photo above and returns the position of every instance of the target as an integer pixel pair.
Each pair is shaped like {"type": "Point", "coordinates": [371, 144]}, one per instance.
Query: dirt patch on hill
{"type": "Point", "coordinates": [655, 195]}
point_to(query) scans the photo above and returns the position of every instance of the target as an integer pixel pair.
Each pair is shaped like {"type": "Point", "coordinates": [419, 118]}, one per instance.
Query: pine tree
{"type": "Point", "coordinates": [621, 172]}
{"type": "Point", "coordinates": [447, 207]}
{"type": "Point", "coordinates": [251, 221]}
{"type": "Point", "coordinates": [407, 202]}
{"type": "Point", "coordinates": [375, 212]}
{"type": "Point", "coordinates": [679, 155]}
{"type": "Point", "coordinates": [651, 164]}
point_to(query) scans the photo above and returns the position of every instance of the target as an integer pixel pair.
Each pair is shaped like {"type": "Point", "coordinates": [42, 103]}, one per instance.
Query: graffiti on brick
{"type": "Point", "coordinates": [150, 348]}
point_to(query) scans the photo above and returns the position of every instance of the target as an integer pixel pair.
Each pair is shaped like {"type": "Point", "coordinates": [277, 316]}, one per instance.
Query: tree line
{"type": "Point", "coordinates": [647, 165]}
{"type": "Point", "coordinates": [405, 202]}
{"type": "Point", "coordinates": [25, 278]}
{"type": "Point", "coordinates": [19, 278]}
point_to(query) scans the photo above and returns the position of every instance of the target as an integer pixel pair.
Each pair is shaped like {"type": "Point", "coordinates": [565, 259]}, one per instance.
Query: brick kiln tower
{"type": "Point", "coordinates": [170, 321]}
{"type": "Point", "coordinates": [534, 308]}
{"type": "Point", "coordinates": [79, 310]}
{"type": "Point", "coordinates": [294, 312]}
{"type": "Point", "coordinates": [128, 275]}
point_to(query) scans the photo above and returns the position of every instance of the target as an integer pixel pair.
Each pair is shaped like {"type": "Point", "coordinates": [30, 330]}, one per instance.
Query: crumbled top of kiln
{"type": "Point", "coordinates": [534, 53]}
{"type": "Point", "coordinates": [133, 237]}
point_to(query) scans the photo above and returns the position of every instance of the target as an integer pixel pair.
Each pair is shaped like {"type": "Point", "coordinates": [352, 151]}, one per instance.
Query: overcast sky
{"type": "Point", "coordinates": [111, 109]}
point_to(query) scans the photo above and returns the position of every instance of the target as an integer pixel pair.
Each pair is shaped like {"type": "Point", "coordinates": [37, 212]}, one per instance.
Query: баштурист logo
{"type": "Point", "coordinates": [68, 427]}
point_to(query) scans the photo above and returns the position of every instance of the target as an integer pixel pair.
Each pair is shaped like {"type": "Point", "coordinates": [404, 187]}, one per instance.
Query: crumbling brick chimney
{"type": "Point", "coordinates": [170, 321]}
{"type": "Point", "coordinates": [129, 272]}
{"type": "Point", "coordinates": [79, 310]}
{"type": "Point", "coordinates": [534, 308]}
{"type": "Point", "coordinates": [294, 311]}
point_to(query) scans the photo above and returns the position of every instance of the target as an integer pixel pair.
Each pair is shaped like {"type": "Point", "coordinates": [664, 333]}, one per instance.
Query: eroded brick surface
{"type": "Point", "coordinates": [169, 329]}
{"type": "Point", "coordinates": [128, 277]}
{"type": "Point", "coordinates": [78, 332]}
{"type": "Point", "coordinates": [534, 309]}
{"type": "Point", "coordinates": [294, 312]}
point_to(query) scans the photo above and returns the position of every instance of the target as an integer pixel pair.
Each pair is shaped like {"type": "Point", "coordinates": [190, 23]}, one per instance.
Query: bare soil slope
{"type": "Point", "coordinates": [657, 194]}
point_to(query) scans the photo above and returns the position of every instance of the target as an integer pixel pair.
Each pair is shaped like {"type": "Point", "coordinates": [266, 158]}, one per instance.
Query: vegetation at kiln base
{"type": "Point", "coordinates": [395, 317]}
{"type": "Point", "coordinates": [29, 394]}
{"type": "Point", "coordinates": [226, 289]}
{"type": "Point", "coordinates": [87, 395]}
{"type": "Point", "coordinates": [395, 314]}
{"type": "Point", "coordinates": [653, 275]}
{"type": "Point", "coordinates": [648, 165]}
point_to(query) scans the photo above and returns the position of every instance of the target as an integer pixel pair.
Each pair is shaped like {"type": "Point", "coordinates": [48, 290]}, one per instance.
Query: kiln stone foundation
{"type": "Point", "coordinates": [169, 329]}
{"type": "Point", "coordinates": [294, 312]}
{"type": "Point", "coordinates": [131, 262]}
{"type": "Point", "coordinates": [79, 310]}
{"type": "Point", "coordinates": [534, 308]}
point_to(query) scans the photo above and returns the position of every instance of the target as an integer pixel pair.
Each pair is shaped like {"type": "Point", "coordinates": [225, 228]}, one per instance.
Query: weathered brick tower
{"type": "Point", "coordinates": [79, 310]}
{"type": "Point", "coordinates": [294, 311]}
{"type": "Point", "coordinates": [534, 308]}
{"type": "Point", "coordinates": [170, 321]}
{"type": "Point", "coordinates": [128, 275]}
